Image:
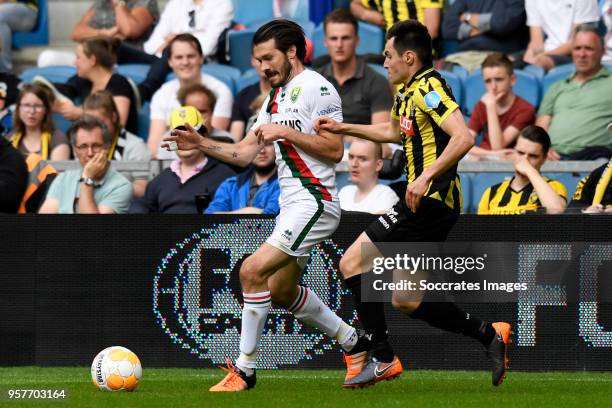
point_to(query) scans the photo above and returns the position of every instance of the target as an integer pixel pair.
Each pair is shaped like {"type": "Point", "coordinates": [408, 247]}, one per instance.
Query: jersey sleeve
{"type": "Point", "coordinates": [434, 99]}
{"type": "Point", "coordinates": [483, 205]}
{"type": "Point", "coordinates": [559, 188]}
{"type": "Point", "coordinates": [325, 102]}
{"type": "Point", "coordinates": [432, 4]}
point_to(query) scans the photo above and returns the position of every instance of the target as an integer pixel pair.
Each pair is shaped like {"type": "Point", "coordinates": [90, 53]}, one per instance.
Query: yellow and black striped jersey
{"type": "Point", "coordinates": [420, 107]}
{"type": "Point", "coordinates": [596, 188]}
{"type": "Point", "coordinates": [500, 199]}
{"type": "Point", "coordinates": [398, 10]}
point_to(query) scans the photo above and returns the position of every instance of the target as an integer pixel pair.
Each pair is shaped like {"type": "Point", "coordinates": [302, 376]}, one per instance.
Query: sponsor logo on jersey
{"type": "Point", "coordinates": [329, 110]}
{"type": "Point", "coordinates": [325, 91]}
{"type": "Point", "coordinates": [433, 99]}
{"type": "Point", "coordinates": [295, 93]}
{"type": "Point", "coordinates": [406, 126]}
{"type": "Point", "coordinates": [292, 123]}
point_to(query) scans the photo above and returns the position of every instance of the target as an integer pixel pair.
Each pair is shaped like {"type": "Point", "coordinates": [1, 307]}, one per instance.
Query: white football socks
{"type": "Point", "coordinates": [254, 316]}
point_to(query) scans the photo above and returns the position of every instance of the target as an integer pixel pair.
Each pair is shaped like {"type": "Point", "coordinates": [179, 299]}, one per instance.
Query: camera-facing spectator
{"type": "Point", "coordinates": [125, 145]}
{"type": "Point", "coordinates": [527, 190]}
{"type": "Point", "coordinates": [365, 194]}
{"type": "Point", "coordinates": [576, 111]}
{"type": "Point", "coordinates": [33, 129]}
{"type": "Point", "coordinates": [500, 114]}
{"type": "Point", "coordinates": [94, 188]}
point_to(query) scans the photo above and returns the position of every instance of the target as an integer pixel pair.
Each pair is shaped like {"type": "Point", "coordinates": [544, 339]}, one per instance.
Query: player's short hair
{"type": "Point", "coordinates": [285, 34]}
{"type": "Point", "coordinates": [340, 16]}
{"type": "Point", "coordinates": [183, 93]}
{"type": "Point", "coordinates": [588, 28]}
{"type": "Point", "coordinates": [498, 59]}
{"type": "Point", "coordinates": [103, 48]}
{"type": "Point", "coordinates": [538, 135]}
{"type": "Point", "coordinates": [410, 35]}
{"type": "Point", "coordinates": [89, 122]}
{"type": "Point", "coordinates": [186, 38]}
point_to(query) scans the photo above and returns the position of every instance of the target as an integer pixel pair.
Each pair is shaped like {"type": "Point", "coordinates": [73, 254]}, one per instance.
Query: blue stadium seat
{"type": "Point", "coordinates": [461, 72]}
{"type": "Point", "coordinates": [535, 70]}
{"type": "Point", "coordinates": [144, 121]}
{"type": "Point", "coordinates": [342, 179]}
{"type": "Point", "coordinates": [371, 40]}
{"type": "Point", "coordinates": [240, 48]}
{"type": "Point", "coordinates": [466, 191]}
{"type": "Point", "coordinates": [61, 123]}
{"type": "Point", "coordinates": [250, 77]}
{"type": "Point", "coordinates": [248, 12]}
{"type": "Point", "coordinates": [136, 72]}
{"type": "Point", "coordinates": [527, 87]}
{"type": "Point", "coordinates": [569, 180]}
{"type": "Point", "coordinates": [380, 69]}
{"type": "Point", "coordinates": [479, 183]}
{"type": "Point", "coordinates": [456, 85]}
{"type": "Point", "coordinates": [39, 34]}
{"type": "Point", "coordinates": [55, 73]}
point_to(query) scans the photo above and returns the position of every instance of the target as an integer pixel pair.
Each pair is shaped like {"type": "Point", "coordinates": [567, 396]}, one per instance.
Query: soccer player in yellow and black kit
{"type": "Point", "coordinates": [427, 121]}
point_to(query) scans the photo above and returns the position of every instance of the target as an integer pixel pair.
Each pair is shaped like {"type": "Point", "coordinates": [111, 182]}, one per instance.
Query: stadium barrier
{"type": "Point", "coordinates": [167, 288]}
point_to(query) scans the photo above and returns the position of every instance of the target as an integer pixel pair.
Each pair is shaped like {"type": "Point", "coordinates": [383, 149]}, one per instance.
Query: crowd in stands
{"type": "Point", "coordinates": [500, 41]}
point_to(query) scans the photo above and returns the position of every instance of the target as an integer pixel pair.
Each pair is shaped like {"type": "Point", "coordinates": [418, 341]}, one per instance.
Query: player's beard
{"type": "Point", "coordinates": [284, 73]}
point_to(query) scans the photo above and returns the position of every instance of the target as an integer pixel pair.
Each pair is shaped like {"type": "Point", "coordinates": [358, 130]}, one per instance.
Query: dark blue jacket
{"type": "Point", "coordinates": [233, 194]}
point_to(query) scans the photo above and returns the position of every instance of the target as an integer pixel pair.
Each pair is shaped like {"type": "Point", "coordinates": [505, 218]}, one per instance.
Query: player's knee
{"type": "Point", "coordinates": [251, 272]}
{"type": "Point", "coordinates": [404, 306]}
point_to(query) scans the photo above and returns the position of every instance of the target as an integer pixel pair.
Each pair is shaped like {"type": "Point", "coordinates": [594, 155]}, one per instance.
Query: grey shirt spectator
{"type": "Point", "coordinates": [487, 25]}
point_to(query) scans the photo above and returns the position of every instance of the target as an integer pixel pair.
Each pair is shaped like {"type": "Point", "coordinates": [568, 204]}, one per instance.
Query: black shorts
{"type": "Point", "coordinates": [431, 223]}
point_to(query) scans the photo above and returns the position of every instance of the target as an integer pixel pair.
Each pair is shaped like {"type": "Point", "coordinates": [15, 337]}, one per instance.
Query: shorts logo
{"type": "Point", "coordinates": [325, 91]}
{"type": "Point", "coordinates": [295, 93]}
{"type": "Point", "coordinates": [392, 214]}
{"type": "Point", "coordinates": [406, 126]}
{"type": "Point", "coordinates": [287, 235]}
{"type": "Point", "coordinates": [433, 99]}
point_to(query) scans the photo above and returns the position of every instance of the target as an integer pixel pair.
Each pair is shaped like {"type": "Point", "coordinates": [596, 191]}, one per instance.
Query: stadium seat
{"type": "Point", "coordinates": [61, 123]}
{"type": "Point", "coordinates": [569, 180]}
{"type": "Point", "coordinates": [456, 85]}
{"type": "Point", "coordinates": [240, 48]}
{"type": "Point", "coordinates": [380, 69]}
{"type": "Point", "coordinates": [535, 70]}
{"type": "Point", "coordinates": [527, 87]}
{"type": "Point", "coordinates": [248, 12]}
{"type": "Point", "coordinates": [136, 72]}
{"type": "Point", "coordinates": [55, 73]}
{"type": "Point", "coordinates": [370, 40]}
{"type": "Point", "coordinates": [479, 183]}
{"type": "Point", "coordinates": [461, 72]}
{"type": "Point", "coordinates": [248, 78]}
{"type": "Point", "coordinates": [342, 179]}
{"type": "Point", "coordinates": [144, 121]}
{"type": "Point", "coordinates": [39, 34]}
{"type": "Point", "coordinates": [466, 191]}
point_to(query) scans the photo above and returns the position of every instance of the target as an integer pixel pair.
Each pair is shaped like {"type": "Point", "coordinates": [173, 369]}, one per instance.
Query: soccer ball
{"type": "Point", "coordinates": [116, 369]}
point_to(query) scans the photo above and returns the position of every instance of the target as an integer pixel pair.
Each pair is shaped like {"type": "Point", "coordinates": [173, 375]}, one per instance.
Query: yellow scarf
{"type": "Point", "coordinates": [45, 141]}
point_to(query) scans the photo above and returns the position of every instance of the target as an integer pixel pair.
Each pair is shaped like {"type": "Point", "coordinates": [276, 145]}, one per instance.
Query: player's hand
{"type": "Point", "coordinates": [188, 139]}
{"type": "Point", "coordinates": [415, 191]}
{"type": "Point", "coordinates": [328, 124]}
{"type": "Point", "coordinates": [109, 32]}
{"type": "Point", "coordinates": [594, 209]}
{"type": "Point", "coordinates": [490, 99]}
{"type": "Point", "coordinates": [553, 155]}
{"type": "Point", "coordinates": [97, 166]}
{"type": "Point", "coordinates": [270, 132]}
{"type": "Point", "coordinates": [522, 166]}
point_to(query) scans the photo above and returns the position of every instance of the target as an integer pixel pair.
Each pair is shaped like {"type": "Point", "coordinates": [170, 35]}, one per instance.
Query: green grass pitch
{"type": "Point", "coordinates": [169, 388]}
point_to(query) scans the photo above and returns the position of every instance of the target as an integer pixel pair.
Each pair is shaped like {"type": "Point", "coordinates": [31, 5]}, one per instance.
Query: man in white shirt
{"type": "Point", "coordinates": [206, 20]}
{"type": "Point", "coordinates": [551, 24]}
{"type": "Point", "coordinates": [185, 58]}
{"type": "Point", "coordinates": [365, 194]}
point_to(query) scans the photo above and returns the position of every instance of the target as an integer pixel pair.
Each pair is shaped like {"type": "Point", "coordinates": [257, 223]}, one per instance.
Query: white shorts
{"type": "Point", "coordinates": [301, 225]}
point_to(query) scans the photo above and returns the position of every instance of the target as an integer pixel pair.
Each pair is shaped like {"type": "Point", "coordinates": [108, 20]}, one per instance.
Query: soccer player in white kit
{"type": "Point", "coordinates": [309, 206]}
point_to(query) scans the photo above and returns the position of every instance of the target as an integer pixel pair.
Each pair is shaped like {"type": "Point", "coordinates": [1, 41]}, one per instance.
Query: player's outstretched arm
{"type": "Point", "coordinates": [241, 153]}
{"type": "Point", "coordinates": [325, 145]}
{"type": "Point", "coordinates": [388, 132]}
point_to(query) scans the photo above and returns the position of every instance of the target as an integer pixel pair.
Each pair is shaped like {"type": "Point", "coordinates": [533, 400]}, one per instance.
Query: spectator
{"type": "Point", "coordinates": [594, 192]}
{"type": "Point", "coordinates": [366, 195]}
{"type": "Point", "coordinates": [190, 178]}
{"type": "Point", "coordinates": [124, 145]}
{"type": "Point", "coordinates": [575, 111]}
{"type": "Point", "coordinates": [528, 190]}
{"type": "Point", "coordinates": [94, 188]}
{"type": "Point", "coordinates": [242, 110]}
{"type": "Point", "coordinates": [385, 13]}
{"type": "Point", "coordinates": [186, 58]}
{"type": "Point", "coordinates": [365, 94]}
{"type": "Point", "coordinates": [33, 130]}
{"type": "Point", "coordinates": [606, 12]}
{"type": "Point", "coordinates": [95, 60]}
{"type": "Point", "coordinates": [204, 100]}
{"type": "Point", "coordinates": [205, 20]}
{"type": "Point", "coordinates": [500, 114]}
{"type": "Point", "coordinates": [486, 25]}
{"type": "Point", "coordinates": [255, 191]}
{"type": "Point", "coordinates": [13, 177]}
{"type": "Point", "coordinates": [18, 15]}
{"type": "Point", "coordinates": [551, 24]}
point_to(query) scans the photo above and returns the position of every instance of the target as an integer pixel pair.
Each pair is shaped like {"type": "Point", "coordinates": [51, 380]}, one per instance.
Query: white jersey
{"type": "Point", "coordinates": [297, 105]}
